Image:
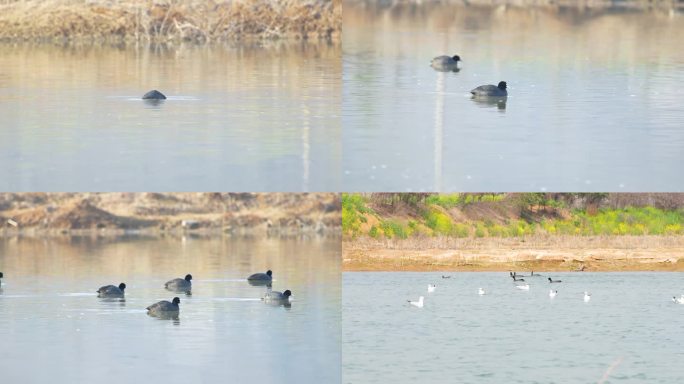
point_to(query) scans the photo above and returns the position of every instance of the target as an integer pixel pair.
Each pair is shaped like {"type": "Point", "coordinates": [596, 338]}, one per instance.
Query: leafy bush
{"type": "Point", "coordinates": [634, 221]}
{"type": "Point", "coordinates": [353, 213]}
{"type": "Point", "coordinates": [374, 232]}
{"type": "Point", "coordinates": [480, 230]}
{"type": "Point", "coordinates": [392, 228]}
{"type": "Point", "coordinates": [439, 222]}
{"type": "Point", "coordinates": [446, 201]}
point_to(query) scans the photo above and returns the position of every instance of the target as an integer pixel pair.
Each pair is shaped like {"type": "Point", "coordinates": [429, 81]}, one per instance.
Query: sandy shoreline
{"type": "Point", "coordinates": [652, 254]}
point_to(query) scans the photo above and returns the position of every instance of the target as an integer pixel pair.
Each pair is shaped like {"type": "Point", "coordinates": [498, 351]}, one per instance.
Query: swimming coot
{"type": "Point", "coordinates": [179, 285]}
{"type": "Point", "coordinates": [154, 95]}
{"type": "Point", "coordinates": [164, 308]}
{"type": "Point", "coordinates": [491, 90]}
{"type": "Point", "coordinates": [275, 296]}
{"type": "Point", "coordinates": [268, 276]}
{"type": "Point", "coordinates": [446, 63]}
{"type": "Point", "coordinates": [111, 290]}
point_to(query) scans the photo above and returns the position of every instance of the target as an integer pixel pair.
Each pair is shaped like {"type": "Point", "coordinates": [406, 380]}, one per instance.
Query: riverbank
{"type": "Point", "coordinates": [626, 253]}
{"type": "Point", "coordinates": [169, 21]}
{"type": "Point", "coordinates": [154, 213]}
{"type": "Point", "coordinates": [550, 4]}
{"type": "Point", "coordinates": [432, 218]}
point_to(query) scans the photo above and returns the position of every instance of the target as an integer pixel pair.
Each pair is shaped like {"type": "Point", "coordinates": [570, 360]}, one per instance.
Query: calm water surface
{"type": "Point", "coordinates": [236, 118]}
{"type": "Point", "coordinates": [594, 99]}
{"type": "Point", "coordinates": [509, 335]}
{"type": "Point", "coordinates": [54, 329]}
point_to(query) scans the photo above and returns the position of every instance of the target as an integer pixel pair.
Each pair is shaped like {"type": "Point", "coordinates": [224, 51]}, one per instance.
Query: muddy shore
{"type": "Point", "coordinates": [152, 213]}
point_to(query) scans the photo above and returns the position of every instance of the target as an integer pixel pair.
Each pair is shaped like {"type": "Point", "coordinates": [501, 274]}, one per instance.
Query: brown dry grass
{"type": "Point", "coordinates": [634, 4]}
{"type": "Point", "coordinates": [560, 253]}
{"type": "Point", "coordinates": [169, 20]}
{"type": "Point", "coordinates": [266, 213]}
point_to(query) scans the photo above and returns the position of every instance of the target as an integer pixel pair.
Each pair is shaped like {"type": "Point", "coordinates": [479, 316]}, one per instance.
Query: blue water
{"type": "Point", "coordinates": [54, 329]}
{"type": "Point", "coordinates": [509, 335]}
{"type": "Point", "coordinates": [594, 102]}
{"type": "Point", "coordinates": [245, 118]}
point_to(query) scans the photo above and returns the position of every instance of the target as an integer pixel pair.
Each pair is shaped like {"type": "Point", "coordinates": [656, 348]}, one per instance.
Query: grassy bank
{"type": "Point", "coordinates": [239, 213]}
{"type": "Point", "coordinates": [425, 216]}
{"type": "Point", "coordinates": [166, 21]}
{"type": "Point", "coordinates": [513, 231]}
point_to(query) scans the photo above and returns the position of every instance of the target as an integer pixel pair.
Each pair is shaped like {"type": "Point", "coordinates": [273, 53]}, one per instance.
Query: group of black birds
{"type": "Point", "coordinates": [171, 309]}
{"type": "Point", "coordinates": [516, 277]}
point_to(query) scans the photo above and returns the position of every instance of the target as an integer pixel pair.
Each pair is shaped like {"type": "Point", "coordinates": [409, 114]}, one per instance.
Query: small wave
{"type": "Point", "coordinates": [234, 299]}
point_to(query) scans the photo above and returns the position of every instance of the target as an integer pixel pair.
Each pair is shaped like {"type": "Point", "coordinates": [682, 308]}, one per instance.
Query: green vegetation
{"type": "Point", "coordinates": [453, 200]}
{"type": "Point", "coordinates": [631, 221]}
{"type": "Point", "coordinates": [391, 228]}
{"type": "Point", "coordinates": [505, 215]}
{"type": "Point", "coordinates": [354, 212]}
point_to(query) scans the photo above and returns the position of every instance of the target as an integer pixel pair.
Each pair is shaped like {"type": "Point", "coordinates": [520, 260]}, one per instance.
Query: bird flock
{"type": "Point", "coordinates": [519, 283]}
{"type": "Point", "coordinates": [171, 309]}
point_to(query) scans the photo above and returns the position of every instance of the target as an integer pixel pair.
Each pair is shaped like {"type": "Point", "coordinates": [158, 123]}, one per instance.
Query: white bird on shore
{"type": "Point", "coordinates": [552, 293]}
{"type": "Point", "coordinates": [678, 300]}
{"type": "Point", "coordinates": [431, 288]}
{"type": "Point", "coordinates": [418, 303]}
{"type": "Point", "coordinates": [524, 287]}
{"type": "Point", "coordinates": [481, 291]}
{"type": "Point", "coordinates": [587, 297]}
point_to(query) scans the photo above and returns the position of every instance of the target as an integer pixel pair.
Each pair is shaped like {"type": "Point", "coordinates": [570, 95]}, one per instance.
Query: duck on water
{"type": "Point", "coordinates": [446, 63]}
{"type": "Point", "coordinates": [165, 309]}
{"type": "Point", "coordinates": [261, 278]}
{"type": "Point", "coordinates": [111, 290]}
{"type": "Point", "coordinates": [179, 285]}
{"type": "Point", "coordinates": [491, 90]}
{"type": "Point", "coordinates": [154, 95]}
{"type": "Point", "coordinates": [278, 298]}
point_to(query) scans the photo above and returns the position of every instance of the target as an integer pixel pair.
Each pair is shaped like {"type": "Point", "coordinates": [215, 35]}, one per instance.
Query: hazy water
{"type": "Point", "coordinates": [54, 329]}
{"type": "Point", "coordinates": [236, 118]}
{"type": "Point", "coordinates": [594, 99]}
{"type": "Point", "coordinates": [510, 335]}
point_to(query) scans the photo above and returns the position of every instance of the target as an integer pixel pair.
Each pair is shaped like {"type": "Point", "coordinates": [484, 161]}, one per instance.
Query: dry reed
{"type": "Point", "coordinates": [578, 4]}
{"type": "Point", "coordinates": [268, 213]}
{"type": "Point", "coordinates": [168, 20]}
